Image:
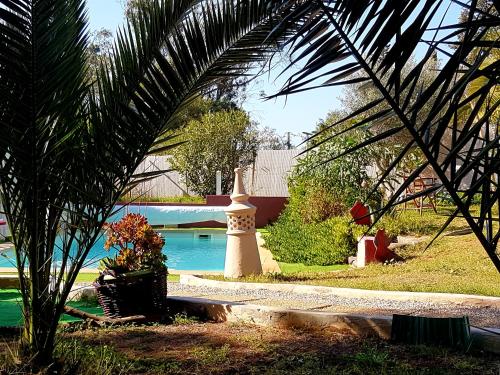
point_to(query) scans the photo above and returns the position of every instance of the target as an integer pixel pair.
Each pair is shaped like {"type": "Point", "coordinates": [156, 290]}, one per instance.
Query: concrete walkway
{"type": "Point", "coordinates": [482, 311]}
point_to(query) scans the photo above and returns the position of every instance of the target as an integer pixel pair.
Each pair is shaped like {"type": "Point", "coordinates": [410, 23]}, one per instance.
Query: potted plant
{"type": "Point", "coordinates": [133, 282]}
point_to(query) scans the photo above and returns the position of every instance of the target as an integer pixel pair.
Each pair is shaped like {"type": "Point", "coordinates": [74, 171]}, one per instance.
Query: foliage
{"type": "Point", "coordinates": [454, 126]}
{"type": "Point", "coordinates": [312, 202]}
{"type": "Point", "coordinates": [219, 141]}
{"type": "Point", "coordinates": [99, 52]}
{"type": "Point", "coordinates": [68, 149]}
{"type": "Point", "coordinates": [321, 181]}
{"type": "Point", "coordinates": [225, 93]}
{"type": "Point", "coordinates": [312, 229]}
{"type": "Point", "coordinates": [329, 242]}
{"type": "Point", "coordinates": [139, 245]}
{"type": "Point", "coordinates": [269, 139]}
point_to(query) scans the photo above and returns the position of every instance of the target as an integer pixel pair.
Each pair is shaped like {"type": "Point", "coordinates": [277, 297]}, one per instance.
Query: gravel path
{"type": "Point", "coordinates": [479, 316]}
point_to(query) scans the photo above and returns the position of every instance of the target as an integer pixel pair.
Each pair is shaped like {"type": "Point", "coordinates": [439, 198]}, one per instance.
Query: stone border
{"type": "Point", "coordinates": [359, 325]}
{"type": "Point", "coordinates": [9, 282]}
{"type": "Point", "coordinates": [460, 299]}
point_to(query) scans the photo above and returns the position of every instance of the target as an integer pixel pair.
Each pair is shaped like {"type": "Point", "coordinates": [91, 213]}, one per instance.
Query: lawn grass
{"type": "Point", "coordinates": [230, 348]}
{"type": "Point", "coordinates": [90, 277]}
{"type": "Point", "coordinates": [453, 264]}
{"type": "Point", "coordinates": [292, 268]}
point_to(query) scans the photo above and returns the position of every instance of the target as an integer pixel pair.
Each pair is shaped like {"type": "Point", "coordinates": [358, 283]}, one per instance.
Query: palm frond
{"type": "Point", "coordinates": [68, 150]}
{"type": "Point", "coordinates": [454, 120]}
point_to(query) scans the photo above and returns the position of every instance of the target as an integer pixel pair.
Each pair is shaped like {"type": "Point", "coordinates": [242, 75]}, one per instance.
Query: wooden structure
{"type": "Point", "coordinates": [425, 200]}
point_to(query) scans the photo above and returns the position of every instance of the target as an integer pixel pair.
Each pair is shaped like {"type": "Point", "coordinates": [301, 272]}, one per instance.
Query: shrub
{"type": "Point", "coordinates": [314, 203]}
{"type": "Point", "coordinates": [410, 223]}
{"type": "Point", "coordinates": [324, 243]}
{"type": "Point", "coordinates": [140, 246]}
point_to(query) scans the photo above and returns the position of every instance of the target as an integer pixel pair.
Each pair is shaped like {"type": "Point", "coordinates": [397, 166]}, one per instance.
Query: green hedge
{"type": "Point", "coordinates": [325, 243]}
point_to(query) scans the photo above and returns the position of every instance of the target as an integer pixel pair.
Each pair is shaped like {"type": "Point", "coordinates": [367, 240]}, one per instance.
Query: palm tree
{"type": "Point", "coordinates": [453, 119]}
{"type": "Point", "coordinates": [69, 147]}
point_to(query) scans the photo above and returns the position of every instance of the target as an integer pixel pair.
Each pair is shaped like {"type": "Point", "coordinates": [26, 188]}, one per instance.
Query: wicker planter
{"type": "Point", "coordinates": [133, 294]}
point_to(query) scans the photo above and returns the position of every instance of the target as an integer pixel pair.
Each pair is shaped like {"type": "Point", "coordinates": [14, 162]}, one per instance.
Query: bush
{"type": "Point", "coordinates": [410, 223]}
{"type": "Point", "coordinates": [313, 203]}
{"type": "Point", "coordinates": [329, 242]}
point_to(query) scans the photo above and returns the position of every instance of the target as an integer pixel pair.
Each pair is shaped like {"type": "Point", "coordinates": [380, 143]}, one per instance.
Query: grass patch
{"type": "Point", "coordinates": [291, 268]}
{"type": "Point", "coordinates": [453, 264]}
{"type": "Point", "coordinates": [86, 277]}
{"type": "Point", "coordinates": [211, 356]}
{"type": "Point", "coordinates": [179, 199]}
{"type": "Point", "coordinates": [410, 222]}
{"type": "Point", "coordinates": [180, 319]}
{"type": "Point", "coordinates": [173, 278]}
{"type": "Point", "coordinates": [90, 277]}
{"type": "Point", "coordinates": [233, 348]}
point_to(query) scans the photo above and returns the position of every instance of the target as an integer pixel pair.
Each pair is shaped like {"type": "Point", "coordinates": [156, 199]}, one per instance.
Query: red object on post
{"type": "Point", "coordinates": [3, 222]}
{"type": "Point", "coordinates": [360, 213]}
{"type": "Point", "coordinates": [374, 249]}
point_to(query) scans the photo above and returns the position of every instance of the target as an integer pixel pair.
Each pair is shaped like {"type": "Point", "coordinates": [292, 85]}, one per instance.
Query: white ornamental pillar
{"type": "Point", "coordinates": [242, 253]}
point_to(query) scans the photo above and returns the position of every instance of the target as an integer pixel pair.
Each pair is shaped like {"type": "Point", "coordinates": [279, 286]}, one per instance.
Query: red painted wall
{"type": "Point", "coordinates": [268, 209]}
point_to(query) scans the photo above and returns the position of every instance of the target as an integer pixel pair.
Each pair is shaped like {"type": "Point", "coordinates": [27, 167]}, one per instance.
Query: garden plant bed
{"type": "Point", "coordinates": [189, 347]}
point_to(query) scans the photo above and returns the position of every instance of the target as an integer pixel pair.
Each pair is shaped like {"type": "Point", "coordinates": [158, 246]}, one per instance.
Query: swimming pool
{"type": "Point", "coordinates": [197, 250]}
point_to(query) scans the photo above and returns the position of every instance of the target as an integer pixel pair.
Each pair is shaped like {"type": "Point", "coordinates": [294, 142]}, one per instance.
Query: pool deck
{"type": "Point", "coordinates": [6, 246]}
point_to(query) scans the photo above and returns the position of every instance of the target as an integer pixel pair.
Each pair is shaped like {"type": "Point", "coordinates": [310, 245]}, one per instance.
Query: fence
{"type": "Point", "coordinates": [266, 177]}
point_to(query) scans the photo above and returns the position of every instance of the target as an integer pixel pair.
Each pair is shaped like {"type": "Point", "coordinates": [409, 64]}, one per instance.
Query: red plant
{"type": "Point", "coordinates": [139, 245]}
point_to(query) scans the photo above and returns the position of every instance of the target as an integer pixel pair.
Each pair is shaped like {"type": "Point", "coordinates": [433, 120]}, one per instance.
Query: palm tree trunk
{"type": "Point", "coordinates": [38, 336]}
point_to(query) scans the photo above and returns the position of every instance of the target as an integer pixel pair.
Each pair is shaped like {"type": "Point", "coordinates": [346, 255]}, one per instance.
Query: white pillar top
{"type": "Point", "coordinates": [239, 193]}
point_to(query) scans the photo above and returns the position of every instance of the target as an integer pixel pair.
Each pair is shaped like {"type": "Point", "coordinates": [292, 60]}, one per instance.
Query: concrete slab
{"type": "Point", "coordinates": [460, 299]}
{"type": "Point", "coordinates": [4, 246]}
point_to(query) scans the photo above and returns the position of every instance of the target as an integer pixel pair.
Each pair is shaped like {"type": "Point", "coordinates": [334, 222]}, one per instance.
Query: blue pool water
{"type": "Point", "coordinates": [200, 250]}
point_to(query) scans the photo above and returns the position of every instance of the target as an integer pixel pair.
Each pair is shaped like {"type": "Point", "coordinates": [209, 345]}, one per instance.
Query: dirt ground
{"type": "Point", "coordinates": [226, 348]}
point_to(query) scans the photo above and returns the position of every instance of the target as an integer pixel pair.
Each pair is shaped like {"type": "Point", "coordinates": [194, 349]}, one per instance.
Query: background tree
{"type": "Point", "coordinates": [357, 96]}
{"type": "Point", "coordinates": [338, 182]}
{"type": "Point", "coordinates": [99, 51]}
{"type": "Point", "coordinates": [218, 141]}
{"type": "Point", "coordinates": [269, 139]}
{"type": "Point", "coordinates": [224, 93]}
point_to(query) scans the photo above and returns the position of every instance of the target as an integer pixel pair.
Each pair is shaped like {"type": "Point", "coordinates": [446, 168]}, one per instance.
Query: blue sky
{"type": "Point", "coordinates": [298, 113]}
